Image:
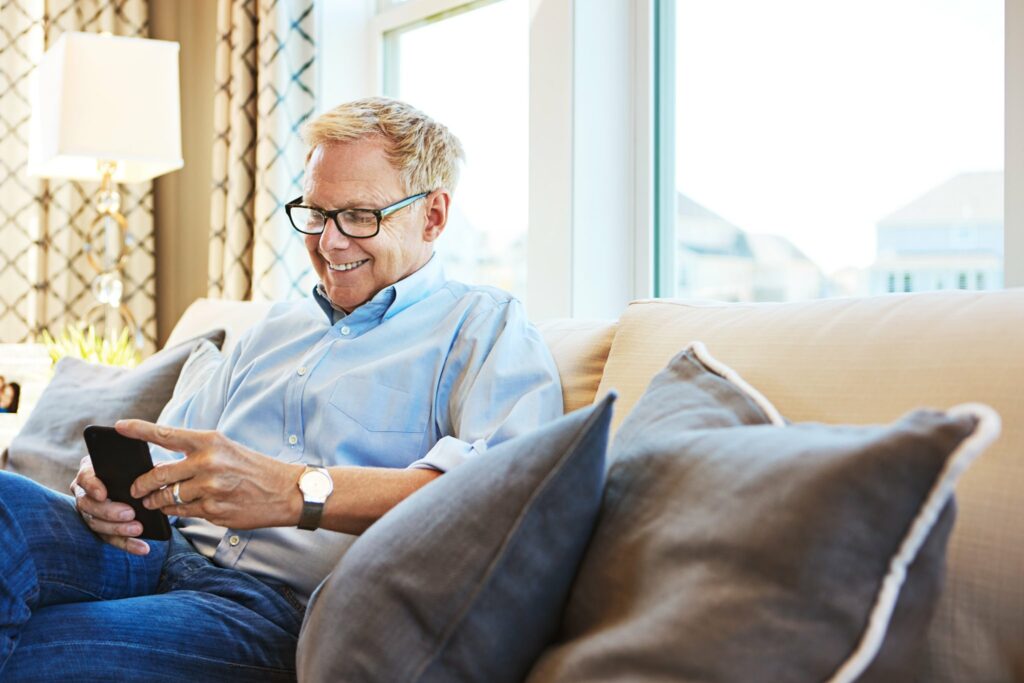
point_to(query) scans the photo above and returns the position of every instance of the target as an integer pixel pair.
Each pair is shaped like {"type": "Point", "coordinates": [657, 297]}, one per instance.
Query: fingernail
{"type": "Point", "coordinates": [135, 528]}
{"type": "Point", "coordinates": [140, 546]}
{"type": "Point", "coordinates": [126, 515]}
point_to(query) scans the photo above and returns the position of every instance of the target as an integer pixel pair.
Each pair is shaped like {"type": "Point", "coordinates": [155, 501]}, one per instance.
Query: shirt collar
{"type": "Point", "coordinates": [393, 299]}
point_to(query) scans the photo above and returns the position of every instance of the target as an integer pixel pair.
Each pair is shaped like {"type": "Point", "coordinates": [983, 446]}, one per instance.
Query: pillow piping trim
{"type": "Point", "coordinates": [985, 433]}
{"type": "Point", "coordinates": [725, 372]}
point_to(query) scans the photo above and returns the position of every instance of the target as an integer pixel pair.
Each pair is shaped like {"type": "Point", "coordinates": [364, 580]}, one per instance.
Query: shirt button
{"type": "Point", "coordinates": [292, 439]}
{"type": "Point", "coordinates": [345, 330]}
{"type": "Point", "coordinates": [302, 370]}
{"type": "Point", "coordinates": [234, 540]}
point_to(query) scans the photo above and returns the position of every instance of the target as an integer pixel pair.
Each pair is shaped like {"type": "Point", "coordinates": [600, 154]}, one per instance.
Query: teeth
{"type": "Point", "coordinates": [346, 266]}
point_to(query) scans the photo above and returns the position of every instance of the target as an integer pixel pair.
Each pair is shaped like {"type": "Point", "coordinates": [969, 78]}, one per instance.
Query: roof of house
{"type": "Point", "coordinates": [968, 197]}
{"type": "Point", "coordinates": [705, 232]}
{"type": "Point", "coordinates": [775, 249]}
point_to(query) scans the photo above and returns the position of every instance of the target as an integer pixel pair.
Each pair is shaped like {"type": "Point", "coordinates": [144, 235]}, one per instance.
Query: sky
{"type": "Point", "coordinates": [814, 119]}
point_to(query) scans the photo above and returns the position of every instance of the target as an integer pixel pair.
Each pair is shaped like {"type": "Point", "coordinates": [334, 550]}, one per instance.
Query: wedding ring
{"type": "Point", "coordinates": [176, 493]}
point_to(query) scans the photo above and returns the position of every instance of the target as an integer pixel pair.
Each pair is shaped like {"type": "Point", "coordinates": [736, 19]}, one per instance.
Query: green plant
{"type": "Point", "coordinates": [84, 343]}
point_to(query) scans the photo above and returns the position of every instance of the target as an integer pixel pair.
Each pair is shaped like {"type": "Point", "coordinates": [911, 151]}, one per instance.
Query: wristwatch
{"type": "Point", "coordinates": [316, 486]}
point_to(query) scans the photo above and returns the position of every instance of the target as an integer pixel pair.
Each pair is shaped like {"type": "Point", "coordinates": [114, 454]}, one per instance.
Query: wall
{"type": "Point", "coordinates": [182, 199]}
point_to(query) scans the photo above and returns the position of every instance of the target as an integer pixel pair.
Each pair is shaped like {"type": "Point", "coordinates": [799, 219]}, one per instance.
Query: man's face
{"type": "Point", "coordinates": [358, 175]}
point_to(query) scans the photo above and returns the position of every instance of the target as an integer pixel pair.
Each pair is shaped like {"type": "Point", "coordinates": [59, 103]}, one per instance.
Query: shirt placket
{"type": "Point", "coordinates": [234, 541]}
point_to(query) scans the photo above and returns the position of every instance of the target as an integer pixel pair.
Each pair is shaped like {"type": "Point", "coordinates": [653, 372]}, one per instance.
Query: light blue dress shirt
{"type": "Point", "coordinates": [426, 374]}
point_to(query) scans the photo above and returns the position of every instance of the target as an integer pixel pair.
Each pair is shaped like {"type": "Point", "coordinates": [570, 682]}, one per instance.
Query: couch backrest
{"type": "Point", "coordinates": [869, 360]}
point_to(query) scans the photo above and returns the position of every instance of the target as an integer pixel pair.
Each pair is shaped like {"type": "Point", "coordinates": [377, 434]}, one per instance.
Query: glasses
{"type": "Point", "coordinates": [356, 223]}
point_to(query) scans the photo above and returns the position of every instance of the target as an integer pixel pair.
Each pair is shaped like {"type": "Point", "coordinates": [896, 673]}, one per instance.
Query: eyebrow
{"type": "Point", "coordinates": [359, 204]}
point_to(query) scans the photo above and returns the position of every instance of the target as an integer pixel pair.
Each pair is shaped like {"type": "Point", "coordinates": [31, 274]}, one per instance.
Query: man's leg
{"type": "Point", "coordinates": [206, 623]}
{"type": "Point", "coordinates": [50, 557]}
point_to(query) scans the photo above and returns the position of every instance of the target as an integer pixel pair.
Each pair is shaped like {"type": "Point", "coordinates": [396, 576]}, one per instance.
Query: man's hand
{"type": "Point", "coordinates": [113, 522]}
{"type": "Point", "coordinates": [219, 480]}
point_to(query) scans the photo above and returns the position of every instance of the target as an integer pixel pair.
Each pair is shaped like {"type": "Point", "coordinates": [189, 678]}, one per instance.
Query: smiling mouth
{"type": "Point", "coordinates": [342, 267]}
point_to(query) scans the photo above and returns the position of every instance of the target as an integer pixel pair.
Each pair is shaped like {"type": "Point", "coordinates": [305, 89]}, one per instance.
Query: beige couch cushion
{"type": "Point", "coordinates": [869, 360]}
{"type": "Point", "coordinates": [580, 348]}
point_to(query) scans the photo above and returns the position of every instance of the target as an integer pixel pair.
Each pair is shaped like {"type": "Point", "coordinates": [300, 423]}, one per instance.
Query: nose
{"type": "Point", "coordinates": [333, 238]}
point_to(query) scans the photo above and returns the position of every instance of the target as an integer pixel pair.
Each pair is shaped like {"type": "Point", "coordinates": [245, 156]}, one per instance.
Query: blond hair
{"type": "Point", "coordinates": [424, 152]}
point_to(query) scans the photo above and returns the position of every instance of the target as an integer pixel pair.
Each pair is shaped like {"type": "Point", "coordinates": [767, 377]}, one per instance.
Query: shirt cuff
{"type": "Point", "coordinates": [448, 453]}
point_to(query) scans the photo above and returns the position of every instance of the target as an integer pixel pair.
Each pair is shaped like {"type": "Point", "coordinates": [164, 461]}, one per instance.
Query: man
{"type": "Point", "coordinates": [325, 416]}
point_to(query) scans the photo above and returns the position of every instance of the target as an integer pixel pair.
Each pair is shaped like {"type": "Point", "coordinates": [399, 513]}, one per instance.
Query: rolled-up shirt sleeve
{"type": "Point", "coordinates": [499, 381]}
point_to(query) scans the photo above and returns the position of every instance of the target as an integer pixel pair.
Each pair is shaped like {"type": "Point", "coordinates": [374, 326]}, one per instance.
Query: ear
{"type": "Point", "coordinates": [437, 203]}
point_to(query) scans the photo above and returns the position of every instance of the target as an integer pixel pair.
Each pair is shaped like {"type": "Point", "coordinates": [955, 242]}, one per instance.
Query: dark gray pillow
{"type": "Point", "coordinates": [50, 446]}
{"type": "Point", "coordinates": [732, 547]}
{"type": "Point", "coordinates": [465, 580]}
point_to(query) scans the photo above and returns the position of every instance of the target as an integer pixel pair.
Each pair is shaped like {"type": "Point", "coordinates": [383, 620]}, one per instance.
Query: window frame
{"type": "Point", "coordinates": [589, 249]}
{"type": "Point", "coordinates": [1013, 142]}
{"type": "Point", "coordinates": [584, 262]}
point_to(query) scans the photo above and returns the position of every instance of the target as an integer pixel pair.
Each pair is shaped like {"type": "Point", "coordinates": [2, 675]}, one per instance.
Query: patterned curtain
{"type": "Point", "coordinates": [45, 278]}
{"type": "Point", "coordinates": [265, 80]}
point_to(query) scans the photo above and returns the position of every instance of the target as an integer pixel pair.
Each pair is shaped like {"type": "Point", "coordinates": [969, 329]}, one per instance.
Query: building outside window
{"type": "Point", "coordinates": [809, 164]}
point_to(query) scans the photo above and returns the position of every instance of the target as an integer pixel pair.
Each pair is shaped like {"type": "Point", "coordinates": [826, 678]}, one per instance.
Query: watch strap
{"type": "Point", "coordinates": [311, 514]}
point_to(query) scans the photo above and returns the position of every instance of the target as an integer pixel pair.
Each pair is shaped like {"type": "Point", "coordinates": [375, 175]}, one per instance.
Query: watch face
{"type": "Point", "coordinates": [316, 485]}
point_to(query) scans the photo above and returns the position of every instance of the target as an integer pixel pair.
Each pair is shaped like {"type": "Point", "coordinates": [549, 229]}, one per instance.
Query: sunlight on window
{"type": "Point", "coordinates": [471, 72]}
{"type": "Point", "coordinates": [830, 149]}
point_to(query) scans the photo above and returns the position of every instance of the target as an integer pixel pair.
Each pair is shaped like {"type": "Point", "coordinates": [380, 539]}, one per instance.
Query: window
{"type": "Point", "coordinates": [469, 68]}
{"type": "Point", "coordinates": [822, 147]}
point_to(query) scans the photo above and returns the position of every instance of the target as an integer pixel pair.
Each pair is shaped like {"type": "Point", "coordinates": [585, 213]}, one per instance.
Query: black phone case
{"type": "Point", "coordinates": [118, 461]}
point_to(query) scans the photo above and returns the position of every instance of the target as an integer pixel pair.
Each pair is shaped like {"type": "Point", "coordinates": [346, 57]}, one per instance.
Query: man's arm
{"type": "Point", "coordinates": [499, 381]}
{"type": "Point", "coordinates": [362, 495]}
{"type": "Point", "coordinates": [233, 486]}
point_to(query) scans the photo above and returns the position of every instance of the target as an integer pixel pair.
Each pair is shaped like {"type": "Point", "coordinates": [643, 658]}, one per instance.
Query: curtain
{"type": "Point", "coordinates": [265, 80]}
{"type": "Point", "coordinates": [45, 278]}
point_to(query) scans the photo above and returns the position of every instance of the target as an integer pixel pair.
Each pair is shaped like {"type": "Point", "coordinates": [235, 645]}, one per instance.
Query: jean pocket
{"type": "Point", "coordinates": [379, 408]}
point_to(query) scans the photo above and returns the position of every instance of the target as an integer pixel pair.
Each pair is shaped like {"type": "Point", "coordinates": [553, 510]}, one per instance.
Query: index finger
{"type": "Point", "coordinates": [158, 477]}
{"type": "Point", "coordinates": [171, 438]}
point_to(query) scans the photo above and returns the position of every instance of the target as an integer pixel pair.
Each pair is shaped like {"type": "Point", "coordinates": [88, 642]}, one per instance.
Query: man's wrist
{"type": "Point", "coordinates": [293, 497]}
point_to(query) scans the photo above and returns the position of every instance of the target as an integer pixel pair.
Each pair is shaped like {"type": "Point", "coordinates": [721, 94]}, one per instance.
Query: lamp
{"type": "Point", "coordinates": [106, 108]}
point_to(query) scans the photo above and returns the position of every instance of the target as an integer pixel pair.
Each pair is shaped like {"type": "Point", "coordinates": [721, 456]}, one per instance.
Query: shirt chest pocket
{"type": "Point", "coordinates": [379, 408]}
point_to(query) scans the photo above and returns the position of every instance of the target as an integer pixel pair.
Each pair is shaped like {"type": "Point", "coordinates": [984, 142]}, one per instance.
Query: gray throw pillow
{"type": "Point", "coordinates": [465, 580]}
{"type": "Point", "coordinates": [734, 547]}
{"type": "Point", "coordinates": [50, 446]}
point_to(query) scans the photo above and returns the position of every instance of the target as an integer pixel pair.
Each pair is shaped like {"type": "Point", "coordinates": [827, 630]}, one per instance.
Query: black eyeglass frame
{"type": "Point", "coordinates": [332, 214]}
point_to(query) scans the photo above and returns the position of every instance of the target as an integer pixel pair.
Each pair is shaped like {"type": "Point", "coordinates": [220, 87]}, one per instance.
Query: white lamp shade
{"type": "Point", "coordinates": [106, 98]}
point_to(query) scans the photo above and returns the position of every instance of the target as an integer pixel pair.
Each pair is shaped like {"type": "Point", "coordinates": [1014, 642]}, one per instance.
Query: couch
{"type": "Point", "coordinates": [856, 360]}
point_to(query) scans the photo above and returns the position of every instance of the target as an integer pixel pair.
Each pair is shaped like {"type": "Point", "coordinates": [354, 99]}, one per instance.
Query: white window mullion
{"type": "Point", "coordinates": [589, 240]}
{"type": "Point", "coordinates": [549, 270]}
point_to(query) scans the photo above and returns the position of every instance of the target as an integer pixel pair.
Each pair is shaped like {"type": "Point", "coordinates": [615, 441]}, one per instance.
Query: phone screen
{"type": "Point", "coordinates": [118, 461]}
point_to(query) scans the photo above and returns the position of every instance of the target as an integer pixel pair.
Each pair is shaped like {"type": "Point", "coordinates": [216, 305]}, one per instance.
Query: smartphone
{"type": "Point", "coordinates": [118, 461]}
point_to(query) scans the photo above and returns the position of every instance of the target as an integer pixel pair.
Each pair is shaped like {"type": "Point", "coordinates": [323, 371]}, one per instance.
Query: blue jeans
{"type": "Point", "coordinates": [75, 608]}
